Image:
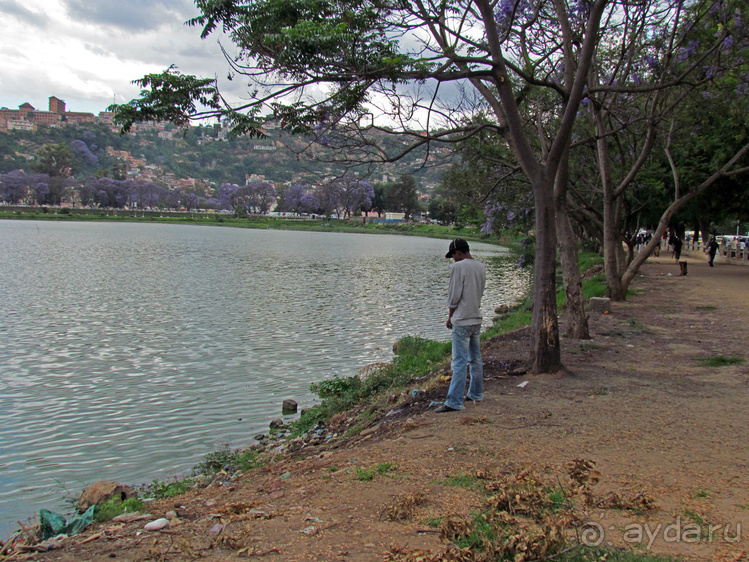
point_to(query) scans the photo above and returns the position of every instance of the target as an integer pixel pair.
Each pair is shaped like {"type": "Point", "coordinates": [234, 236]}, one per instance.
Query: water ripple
{"type": "Point", "coordinates": [128, 352]}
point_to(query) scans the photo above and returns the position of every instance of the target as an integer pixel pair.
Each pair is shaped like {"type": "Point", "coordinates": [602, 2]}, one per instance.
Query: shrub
{"type": "Point", "coordinates": [336, 386]}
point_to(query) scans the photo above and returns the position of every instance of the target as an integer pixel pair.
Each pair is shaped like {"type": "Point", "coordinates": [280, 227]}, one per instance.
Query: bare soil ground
{"type": "Point", "coordinates": [668, 436]}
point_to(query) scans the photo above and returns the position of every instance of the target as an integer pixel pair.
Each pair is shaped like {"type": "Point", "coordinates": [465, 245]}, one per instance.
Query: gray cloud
{"type": "Point", "coordinates": [125, 43]}
{"type": "Point", "coordinates": [133, 15]}
{"type": "Point", "coordinates": [14, 9]}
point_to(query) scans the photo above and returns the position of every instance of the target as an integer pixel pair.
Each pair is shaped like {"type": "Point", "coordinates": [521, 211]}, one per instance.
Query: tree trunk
{"type": "Point", "coordinates": [667, 215]}
{"type": "Point", "coordinates": [545, 354]}
{"type": "Point", "coordinates": [612, 250]}
{"type": "Point", "coordinates": [612, 244]}
{"type": "Point", "coordinates": [577, 322]}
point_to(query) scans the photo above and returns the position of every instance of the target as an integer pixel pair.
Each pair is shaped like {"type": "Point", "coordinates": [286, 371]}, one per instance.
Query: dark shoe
{"type": "Point", "coordinates": [442, 409]}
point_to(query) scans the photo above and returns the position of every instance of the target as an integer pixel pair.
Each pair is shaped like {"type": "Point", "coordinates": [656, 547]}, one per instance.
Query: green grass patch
{"type": "Point", "coordinates": [115, 506]}
{"type": "Point", "coordinates": [414, 357]}
{"type": "Point", "coordinates": [168, 489]}
{"type": "Point", "coordinates": [594, 286]}
{"type": "Point", "coordinates": [482, 533]}
{"type": "Point", "coordinates": [229, 460]}
{"type": "Point", "coordinates": [589, 260]}
{"type": "Point", "coordinates": [368, 474]}
{"type": "Point", "coordinates": [696, 517]}
{"type": "Point", "coordinates": [364, 474]}
{"type": "Point", "coordinates": [464, 481]}
{"type": "Point", "coordinates": [720, 361]}
{"type": "Point", "coordinates": [638, 328]}
{"type": "Point", "coordinates": [558, 499]}
{"type": "Point", "coordinates": [354, 430]}
{"type": "Point", "coordinates": [518, 318]}
{"type": "Point", "coordinates": [336, 386]}
{"type": "Point", "coordinates": [385, 467]}
{"type": "Point", "coordinates": [226, 459]}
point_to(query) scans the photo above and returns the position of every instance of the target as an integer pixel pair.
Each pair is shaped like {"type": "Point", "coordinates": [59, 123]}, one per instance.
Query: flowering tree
{"type": "Point", "coordinates": [232, 197]}
{"type": "Point", "coordinates": [329, 196]}
{"type": "Point", "coordinates": [336, 71]}
{"type": "Point", "coordinates": [187, 198]}
{"type": "Point", "coordinates": [261, 196]}
{"type": "Point", "coordinates": [82, 151]}
{"type": "Point", "coordinates": [18, 187]}
{"type": "Point", "coordinates": [111, 193]}
{"type": "Point", "coordinates": [309, 203]}
{"type": "Point", "coordinates": [289, 200]}
{"type": "Point", "coordinates": [660, 71]}
{"type": "Point", "coordinates": [145, 194]}
{"type": "Point", "coordinates": [356, 196]}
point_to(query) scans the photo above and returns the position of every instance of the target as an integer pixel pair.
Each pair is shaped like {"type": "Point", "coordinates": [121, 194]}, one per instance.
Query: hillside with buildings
{"type": "Point", "coordinates": [200, 158]}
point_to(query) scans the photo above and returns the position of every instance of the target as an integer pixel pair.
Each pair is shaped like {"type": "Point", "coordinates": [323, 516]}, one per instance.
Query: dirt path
{"type": "Point", "coordinates": [634, 400]}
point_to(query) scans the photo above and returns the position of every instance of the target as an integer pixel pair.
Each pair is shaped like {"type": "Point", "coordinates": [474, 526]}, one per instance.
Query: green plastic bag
{"type": "Point", "coordinates": [54, 524]}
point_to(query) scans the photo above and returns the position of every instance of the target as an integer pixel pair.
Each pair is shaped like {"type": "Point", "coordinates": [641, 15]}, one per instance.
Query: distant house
{"type": "Point", "coordinates": [19, 125]}
{"type": "Point", "coordinates": [78, 117]}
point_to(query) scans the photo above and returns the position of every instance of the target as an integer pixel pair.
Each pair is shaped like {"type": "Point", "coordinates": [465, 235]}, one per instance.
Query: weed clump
{"type": "Point", "coordinates": [116, 506]}
{"type": "Point", "coordinates": [414, 357]}
{"type": "Point", "coordinates": [525, 517]}
{"type": "Point", "coordinates": [720, 361]}
{"type": "Point", "coordinates": [228, 460]}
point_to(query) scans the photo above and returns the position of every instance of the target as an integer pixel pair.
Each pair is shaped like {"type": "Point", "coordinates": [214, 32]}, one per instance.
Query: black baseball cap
{"type": "Point", "coordinates": [457, 245]}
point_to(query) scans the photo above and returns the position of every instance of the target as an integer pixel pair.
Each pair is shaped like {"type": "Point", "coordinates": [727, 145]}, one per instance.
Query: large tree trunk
{"type": "Point", "coordinates": [577, 321]}
{"type": "Point", "coordinates": [545, 354]}
{"type": "Point", "coordinates": [612, 244]}
{"type": "Point", "coordinates": [612, 250]}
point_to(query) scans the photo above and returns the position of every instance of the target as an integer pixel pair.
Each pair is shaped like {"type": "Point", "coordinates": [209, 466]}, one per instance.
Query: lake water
{"type": "Point", "coordinates": [129, 351]}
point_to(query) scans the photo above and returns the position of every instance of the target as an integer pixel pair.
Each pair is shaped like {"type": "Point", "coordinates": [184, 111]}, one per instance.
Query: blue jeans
{"type": "Point", "coordinates": [466, 347]}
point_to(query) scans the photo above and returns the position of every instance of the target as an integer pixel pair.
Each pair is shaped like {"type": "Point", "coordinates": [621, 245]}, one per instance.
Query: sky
{"type": "Point", "coordinates": [88, 52]}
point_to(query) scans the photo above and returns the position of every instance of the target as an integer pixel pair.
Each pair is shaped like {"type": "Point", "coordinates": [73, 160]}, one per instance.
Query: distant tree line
{"type": "Point", "coordinates": [53, 181]}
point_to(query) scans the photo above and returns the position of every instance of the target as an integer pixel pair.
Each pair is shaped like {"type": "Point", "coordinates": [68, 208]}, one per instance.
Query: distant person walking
{"type": "Point", "coordinates": [712, 249]}
{"type": "Point", "coordinates": [677, 248]}
{"type": "Point", "coordinates": [467, 280]}
{"type": "Point", "coordinates": [671, 242]}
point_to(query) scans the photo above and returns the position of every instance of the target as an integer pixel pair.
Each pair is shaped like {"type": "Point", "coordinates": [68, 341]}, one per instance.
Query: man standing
{"type": "Point", "coordinates": [467, 280]}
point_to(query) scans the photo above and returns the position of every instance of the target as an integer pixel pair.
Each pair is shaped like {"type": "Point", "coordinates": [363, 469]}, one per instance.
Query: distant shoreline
{"type": "Point", "coordinates": [352, 225]}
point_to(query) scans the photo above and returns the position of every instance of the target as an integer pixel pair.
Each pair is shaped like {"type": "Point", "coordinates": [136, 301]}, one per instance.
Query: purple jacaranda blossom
{"type": "Point", "coordinates": [81, 150]}
{"type": "Point", "coordinates": [651, 61]}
